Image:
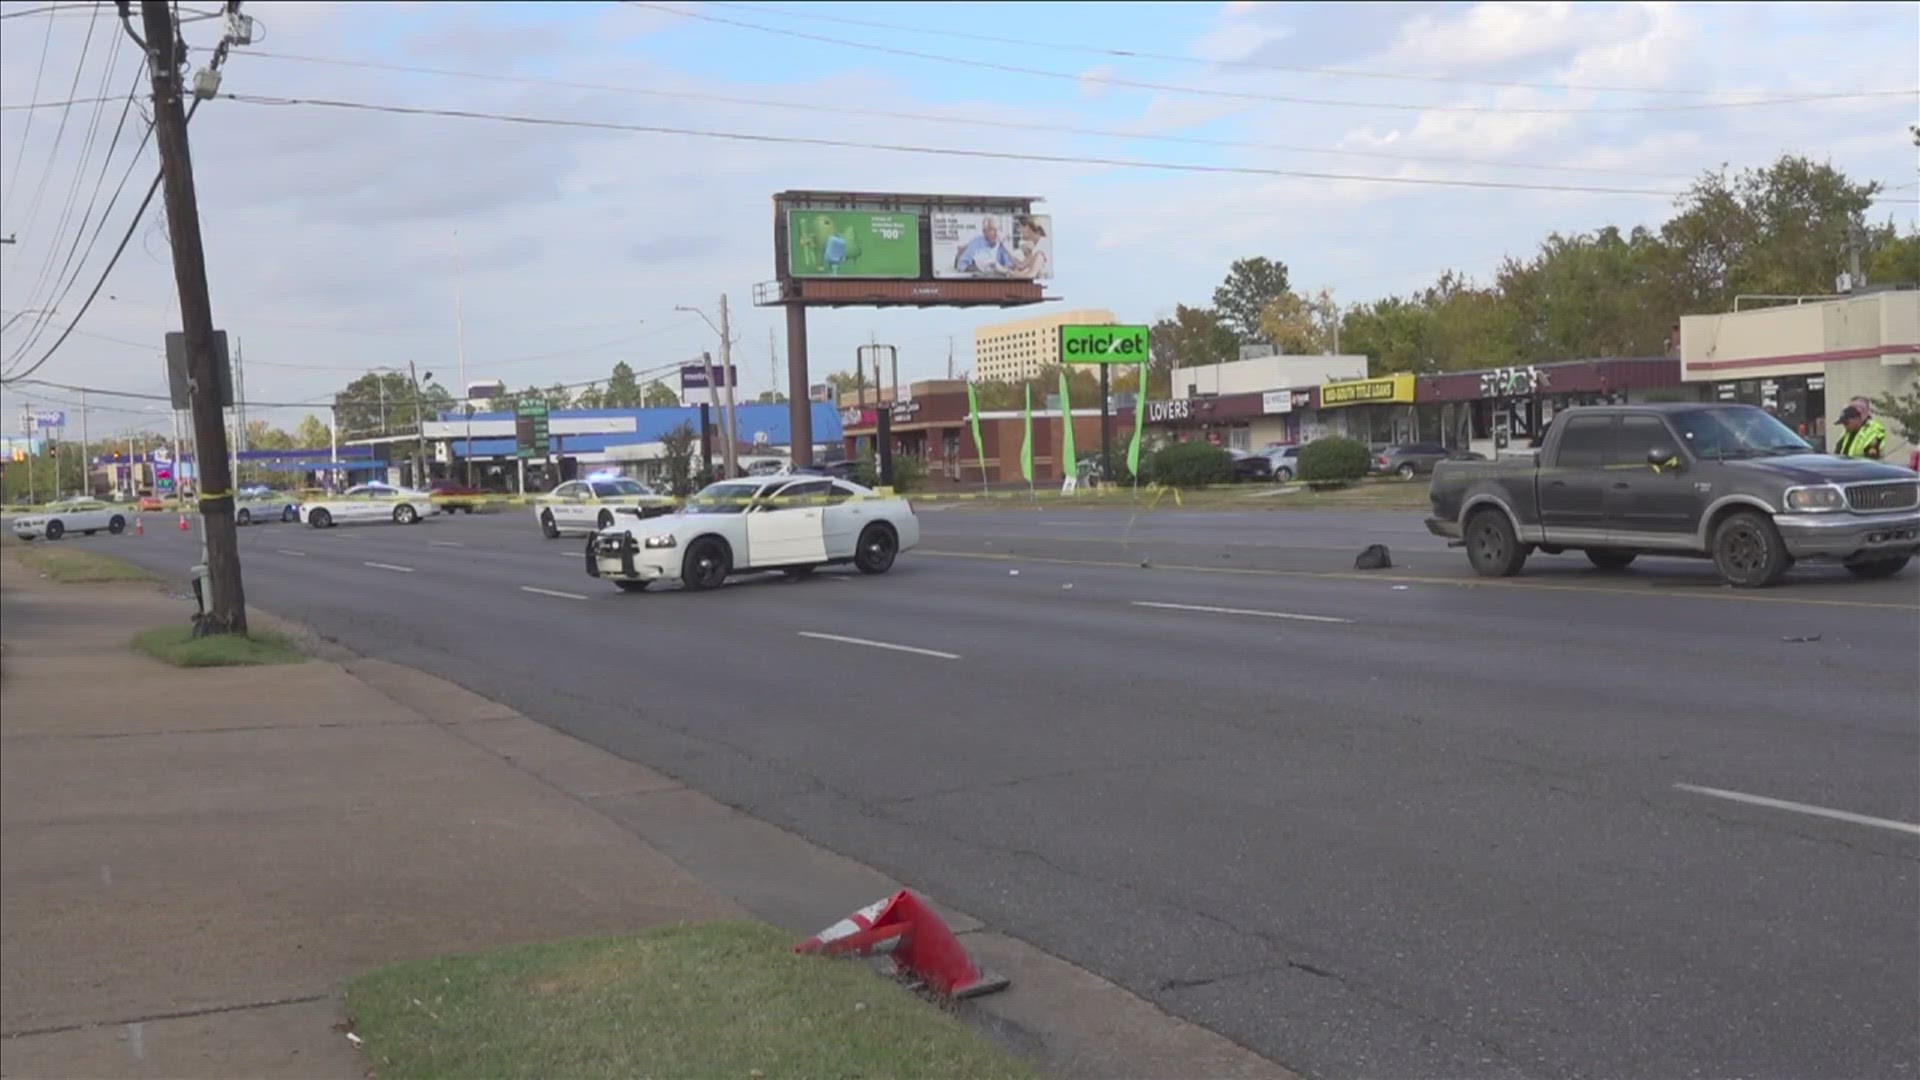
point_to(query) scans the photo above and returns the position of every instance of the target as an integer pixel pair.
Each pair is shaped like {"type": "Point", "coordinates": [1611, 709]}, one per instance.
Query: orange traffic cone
{"type": "Point", "coordinates": [139, 526]}
{"type": "Point", "coordinates": [919, 941]}
{"type": "Point", "coordinates": [183, 523]}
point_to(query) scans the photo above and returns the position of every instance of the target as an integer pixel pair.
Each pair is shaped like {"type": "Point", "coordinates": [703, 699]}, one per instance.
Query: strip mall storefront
{"type": "Point", "coordinates": [1371, 411]}
{"type": "Point", "coordinates": [932, 425]}
{"type": "Point", "coordinates": [1497, 409]}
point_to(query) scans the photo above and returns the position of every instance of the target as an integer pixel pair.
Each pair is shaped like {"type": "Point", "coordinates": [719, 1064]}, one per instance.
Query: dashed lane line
{"type": "Point", "coordinates": [554, 592]}
{"type": "Point", "coordinates": [389, 566]}
{"type": "Point", "coordinates": [1847, 816]}
{"type": "Point", "coordinates": [1241, 611]}
{"type": "Point", "coordinates": [915, 649]}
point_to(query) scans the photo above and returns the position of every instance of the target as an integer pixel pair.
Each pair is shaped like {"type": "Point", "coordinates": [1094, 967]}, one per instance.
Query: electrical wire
{"type": "Point", "coordinates": [939, 151]}
{"type": "Point", "coordinates": [998, 125]}
{"type": "Point", "coordinates": [13, 182]}
{"type": "Point", "coordinates": [1249, 95]}
{"type": "Point", "coordinates": [27, 105]}
{"type": "Point", "coordinates": [1175, 58]}
{"type": "Point", "coordinates": [53, 154]}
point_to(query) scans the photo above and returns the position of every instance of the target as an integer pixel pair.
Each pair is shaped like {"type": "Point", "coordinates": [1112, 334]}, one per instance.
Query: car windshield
{"type": "Point", "coordinates": [1737, 431]}
{"type": "Point", "coordinates": [723, 499]}
{"type": "Point", "coordinates": [613, 489]}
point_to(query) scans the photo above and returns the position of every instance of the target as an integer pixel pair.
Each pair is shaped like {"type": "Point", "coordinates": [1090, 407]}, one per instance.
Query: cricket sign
{"type": "Point", "coordinates": [1104, 344]}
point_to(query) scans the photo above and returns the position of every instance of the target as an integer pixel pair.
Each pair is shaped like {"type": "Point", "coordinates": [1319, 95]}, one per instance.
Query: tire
{"type": "Point", "coordinates": [879, 546]}
{"type": "Point", "coordinates": [606, 519]}
{"type": "Point", "coordinates": [290, 514]}
{"type": "Point", "coordinates": [1285, 476]}
{"type": "Point", "coordinates": [1878, 568]}
{"type": "Point", "coordinates": [404, 514]}
{"type": "Point", "coordinates": [547, 527]}
{"type": "Point", "coordinates": [1748, 551]}
{"type": "Point", "coordinates": [1611, 559]}
{"type": "Point", "coordinates": [1406, 471]}
{"type": "Point", "coordinates": [1493, 549]}
{"type": "Point", "coordinates": [631, 586]}
{"type": "Point", "coordinates": [55, 530]}
{"type": "Point", "coordinates": [117, 525]}
{"type": "Point", "coordinates": [319, 519]}
{"type": "Point", "coordinates": [244, 517]}
{"type": "Point", "coordinates": [706, 565]}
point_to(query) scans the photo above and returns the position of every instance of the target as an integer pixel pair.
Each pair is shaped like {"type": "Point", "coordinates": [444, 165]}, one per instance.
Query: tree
{"type": "Point", "coordinates": [1896, 262]}
{"type": "Point", "coordinates": [312, 433]}
{"type": "Point", "coordinates": [1902, 411]}
{"type": "Point", "coordinates": [590, 397]}
{"type": "Point", "coordinates": [658, 395]}
{"type": "Point", "coordinates": [1301, 324]}
{"type": "Point", "coordinates": [677, 448]}
{"type": "Point", "coordinates": [558, 396]}
{"type": "Point", "coordinates": [1250, 286]}
{"type": "Point", "coordinates": [264, 436]}
{"type": "Point", "coordinates": [382, 403]}
{"type": "Point", "coordinates": [844, 382]}
{"type": "Point", "coordinates": [770, 397]}
{"type": "Point", "coordinates": [623, 390]}
{"type": "Point", "coordinates": [1599, 294]}
{"type": "Point", "coordinates": [1782, 229]}
{"type": "Point", "coordinates": [1194, 336]}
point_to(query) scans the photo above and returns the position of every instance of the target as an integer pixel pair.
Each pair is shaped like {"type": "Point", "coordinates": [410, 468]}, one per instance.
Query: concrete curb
{"type": "Point", "coordinates": [1070, 1021]}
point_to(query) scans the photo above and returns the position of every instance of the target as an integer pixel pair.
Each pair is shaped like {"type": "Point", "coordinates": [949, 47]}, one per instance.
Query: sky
{"type": "Point", "coordinates": [339, 240]}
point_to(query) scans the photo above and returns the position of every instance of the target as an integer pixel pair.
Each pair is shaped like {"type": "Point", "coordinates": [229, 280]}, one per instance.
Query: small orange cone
{"type": "Point", "coordinates": [139, 526]}
{"type": "Point", "coordinates": [919, 941]}
{"type": "Point", "coordinates": [183, 523]}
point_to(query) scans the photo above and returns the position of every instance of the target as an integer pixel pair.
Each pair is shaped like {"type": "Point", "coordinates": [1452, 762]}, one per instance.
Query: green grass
{"type": "Point", "coordinates": [1366, 495]}
{"type": "Point", "coordinates": [71, 566]}
{"type": "Point", "coordinates": [724, 999]}
{"type": "Point", "coordinates": [176, 645]}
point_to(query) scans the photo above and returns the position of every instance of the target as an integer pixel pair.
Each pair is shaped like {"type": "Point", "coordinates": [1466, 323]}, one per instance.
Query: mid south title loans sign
{"type": "Point", "coordinates": [1103, 344]}
{"type": "Point", "coordinates": [1394, 389]}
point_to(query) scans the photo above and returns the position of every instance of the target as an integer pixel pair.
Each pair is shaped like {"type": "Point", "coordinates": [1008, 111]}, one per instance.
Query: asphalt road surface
{"type": "Point", "coordinates": [1404, 823]}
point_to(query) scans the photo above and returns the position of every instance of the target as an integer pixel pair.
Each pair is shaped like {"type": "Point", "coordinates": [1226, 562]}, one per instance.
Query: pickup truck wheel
{"type": "Point", "coordinates": [1748, 551]}
{"type": "Point", "coordinates": [1878, 568]}
{"type": "Point", "coordinates": [1492, 547]}
{"type": "Point", "coordinates": [1607, 559]}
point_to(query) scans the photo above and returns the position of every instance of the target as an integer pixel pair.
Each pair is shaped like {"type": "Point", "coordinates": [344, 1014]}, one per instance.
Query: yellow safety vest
{"type": "Point", "coordinates": [1866, 442]}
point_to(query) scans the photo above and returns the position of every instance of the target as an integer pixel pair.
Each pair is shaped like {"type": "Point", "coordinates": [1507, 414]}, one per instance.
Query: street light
{"type": "Point", "coordinates": [730, 426]}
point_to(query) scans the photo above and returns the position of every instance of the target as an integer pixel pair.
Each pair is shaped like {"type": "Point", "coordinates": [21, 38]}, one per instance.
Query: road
{"type": "Point", "coordinates": [1394, 823]}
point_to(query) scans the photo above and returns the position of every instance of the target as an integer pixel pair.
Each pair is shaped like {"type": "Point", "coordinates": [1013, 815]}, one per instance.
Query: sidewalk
{"type": "Point", "coordinates": [193, 863]}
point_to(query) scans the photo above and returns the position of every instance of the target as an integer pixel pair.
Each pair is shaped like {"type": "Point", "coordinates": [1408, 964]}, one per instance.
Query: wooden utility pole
{"type": "Point", "coordinates": [227, 600]}
{"type": "Point", "coordinates": [726, 373]}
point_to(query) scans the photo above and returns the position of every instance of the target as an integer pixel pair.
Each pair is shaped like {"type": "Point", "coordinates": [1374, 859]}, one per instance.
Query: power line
{"type": "Point", "coordinates": [1258, 65]}
{"type": "Point", "coordinates": [1002, 125]}
{"type": "Point", "coordinates": [28, 105]}
{"type": "Point", "coordinates": [48, 11]}
{"type": "Point", "coordinates": [39, 191]}
{"type": "Point", "coordinates": [13, 182]}
{"type": "Point", "coordinates": [939, 151]}
{"type": "Point", "coordinates": [1249, 95]}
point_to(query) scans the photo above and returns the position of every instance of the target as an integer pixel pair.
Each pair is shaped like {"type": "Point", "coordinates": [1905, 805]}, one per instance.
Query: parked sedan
{"type": "Point", "coordinates": [791, 523]}
{"type": "Point", "coordinates": [1408, 460]}
{"type": "Point", "coordinates": [82, 515]}
{"type": "Point", "coordinates": [369, 502]}
{"type": "Point", "coordinates": [1248, 465]}
{"type": "Point", "coordinates": [1285, 461]}
{"type": "Point", "coordinates": [587, 505]}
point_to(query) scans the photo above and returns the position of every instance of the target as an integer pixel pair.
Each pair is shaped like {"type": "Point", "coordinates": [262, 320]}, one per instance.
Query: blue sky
{"type": "Point", "coordinates": [330, 234]}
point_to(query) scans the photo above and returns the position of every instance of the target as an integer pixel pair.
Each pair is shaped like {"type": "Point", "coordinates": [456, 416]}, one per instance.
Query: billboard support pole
{"type": "Point", "coordinates": [713, 398]}
{"type": "Point", "coordinates": [706, 441]}
{"type": "Point", "coordinates": [883, 437]}
{"type": "Point", "coordinates": [1106, 425]}
{"type": "Point", "coordinates": [799, 405]}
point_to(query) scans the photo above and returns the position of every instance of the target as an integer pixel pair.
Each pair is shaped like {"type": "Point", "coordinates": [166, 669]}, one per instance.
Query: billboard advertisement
{"type": "Point", "coordinates": [694, 377]}
{"type": "Point", "coordinates": [1104, 344]}
{"type": "Point", "coordinates": [852, 244]}
{"type": "Point", "coordinates": [992, 245]}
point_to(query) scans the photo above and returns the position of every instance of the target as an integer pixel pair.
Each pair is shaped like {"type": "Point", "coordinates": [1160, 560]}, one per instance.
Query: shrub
{"type": "Point", "coordinates": [1334, 461]}
{"type": "Point", "coordinates": [1191, 464]}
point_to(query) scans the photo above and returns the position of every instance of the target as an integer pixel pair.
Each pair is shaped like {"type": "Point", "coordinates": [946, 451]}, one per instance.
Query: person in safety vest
{"type": "Point", "coordinates": [1865, 437]}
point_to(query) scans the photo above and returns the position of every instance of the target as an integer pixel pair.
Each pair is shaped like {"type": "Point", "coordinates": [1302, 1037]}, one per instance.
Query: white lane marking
{"type": "Point", "coordinates": [554, 592]}
{"type": "Point", "coordinates": [1240, 611]}
{"type": "Point", "coordinates": [289, 551]}
{"type": "Point", "coordinates": [446, 543]}
{"type": "Point", "coordinates": [389, 566]}
{"type": "Point", "coordinates": [1802, 808]}
{"type": "Point", "coordinates": [879, 645]}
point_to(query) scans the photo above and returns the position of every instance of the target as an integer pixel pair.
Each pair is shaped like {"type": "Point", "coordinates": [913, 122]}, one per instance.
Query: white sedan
{"type": "Point", "coordinates": [585, 506]}
{"type": "Point", "coordinates": [369, 502]}
{"type": "Point", "coordinates": [82, 515]}
{"type": "Point", "coordinates": [790, 523]}
{"type": "Point", "coordinates": [264, 504]}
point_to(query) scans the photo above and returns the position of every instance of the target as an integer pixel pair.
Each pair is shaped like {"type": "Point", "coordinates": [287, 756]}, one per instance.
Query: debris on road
{"type": "Point", "coordinates": [1375, 557]}
{"type": "Point", "coordinates": [1800, 640]}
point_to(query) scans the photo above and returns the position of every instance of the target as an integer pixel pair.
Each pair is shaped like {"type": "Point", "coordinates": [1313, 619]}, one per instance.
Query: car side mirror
{"type": "Point", "coordinates": [1663, 457]}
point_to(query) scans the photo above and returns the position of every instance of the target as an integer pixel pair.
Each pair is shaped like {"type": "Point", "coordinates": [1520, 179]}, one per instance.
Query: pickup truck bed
{"type": "Point", "coordinates": [1724, 482]}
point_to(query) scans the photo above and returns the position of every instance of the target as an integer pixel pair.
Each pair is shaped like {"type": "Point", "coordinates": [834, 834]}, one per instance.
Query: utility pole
{"type": "Point", "coordinates": [726, 373]}
{"type": "Point", "coordinates": [713, 399]}
{"type": "Point", "coordinates": [773, 367]}
{"type": "Point", "coordinates": [1855, 280]}
{"type": "Point", "coordinates": [227, 601]}
{"type": "Point", "coordinates": [460, 346]}
{"type": "Point", "coordinates": [239, 415]}
{"type": "Point", "coordinates": [419, 427]}
{"type": "Point", "coordinates": [949, 357]}
{"type": "Point", "coordinates": [86, 455]}
{"type": "Point", "coordinates": [333, 448]}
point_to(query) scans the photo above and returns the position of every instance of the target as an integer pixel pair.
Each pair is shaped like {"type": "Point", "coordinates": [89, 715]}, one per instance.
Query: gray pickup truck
{"type": "Point", "coordinates": [1724, 482]}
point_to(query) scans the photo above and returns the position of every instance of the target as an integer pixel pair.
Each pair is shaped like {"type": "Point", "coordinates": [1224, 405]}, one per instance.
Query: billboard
{"type": "Point", "coordinates": [1104, 344]}
{"type": "Point", "coordinates": [973, 245]}
{"type": "Point", "coordinates": [45, 419]}
{"type": "Point", "coordinates": [694, 377]}
{"type": "Point", "coordinates": [852, 244]}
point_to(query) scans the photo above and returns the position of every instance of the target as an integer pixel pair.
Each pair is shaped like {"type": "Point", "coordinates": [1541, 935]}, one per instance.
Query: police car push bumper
{"type": "Point", "coordinates": [621, 556]}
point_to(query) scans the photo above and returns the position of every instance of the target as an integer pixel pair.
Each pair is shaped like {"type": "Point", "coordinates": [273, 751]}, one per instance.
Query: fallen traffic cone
{"type": "Point", "coordinates": [183, 523]}
{"type": "Point", "coordinates": [919, 941]}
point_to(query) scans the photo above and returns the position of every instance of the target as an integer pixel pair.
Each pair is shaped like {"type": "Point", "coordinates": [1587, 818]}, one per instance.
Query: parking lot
{"type": "Point", "coordinates": [1392, 823]}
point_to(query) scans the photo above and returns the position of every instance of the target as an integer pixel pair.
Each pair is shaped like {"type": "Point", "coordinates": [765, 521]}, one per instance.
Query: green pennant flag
{"type": "Point", "coordinates": [973, 415]}
{"type": "Point", "coordinates": [1026, 444]}
{"type": "Point", "coordinates": [1069, 460]}
{"type": "Point", "coordinates": [1139, 413]}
